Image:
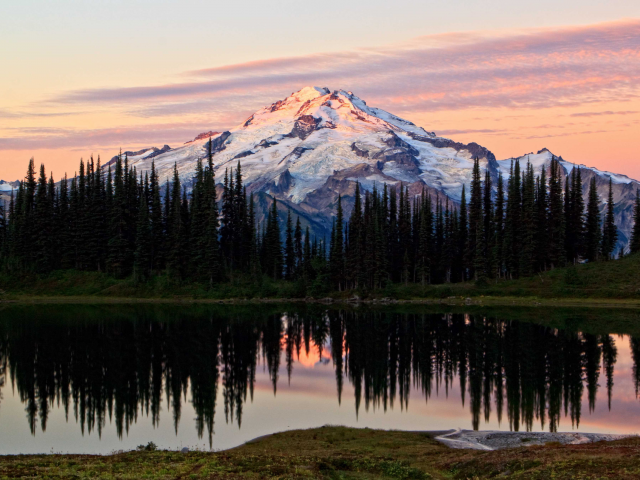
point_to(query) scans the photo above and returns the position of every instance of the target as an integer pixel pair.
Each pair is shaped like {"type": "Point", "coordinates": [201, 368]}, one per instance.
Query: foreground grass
{"type": "Point", "coordinates": [342, 453]}
{"type": "Point", "coordinates": [599, 282]}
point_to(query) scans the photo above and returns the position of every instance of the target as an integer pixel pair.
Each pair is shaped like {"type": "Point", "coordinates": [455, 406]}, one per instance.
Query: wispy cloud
{"type": "Point", "coordinates": [14, 115]}
{"type": "Point", "coordinates": [538, 68]}
{"type": "Point", "coordinates": [534, 69]}
{"type": "Point", "coordinates": [599, 114]}
{"type": "Point", "coordinates": [51, 138]}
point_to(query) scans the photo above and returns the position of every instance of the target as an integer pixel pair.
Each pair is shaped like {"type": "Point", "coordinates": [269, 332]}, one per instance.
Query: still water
{"type": "Point", "coordinates": [98, 379]}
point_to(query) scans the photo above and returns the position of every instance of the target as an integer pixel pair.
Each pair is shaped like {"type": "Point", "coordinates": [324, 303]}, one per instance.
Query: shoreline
{"type": "Point", "coordinates": [481, 301]}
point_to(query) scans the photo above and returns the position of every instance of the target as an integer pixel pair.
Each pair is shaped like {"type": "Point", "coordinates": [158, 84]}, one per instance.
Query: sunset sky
{"type": "Point", "coordinates": [88, 77]}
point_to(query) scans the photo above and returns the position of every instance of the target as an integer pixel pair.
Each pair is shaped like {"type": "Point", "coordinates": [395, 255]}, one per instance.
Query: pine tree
{"type": "Point", "coordinates": [336, 255]}
{"type": "Point", "coordinates": [542, 226]}
{"type": "Point", "coordinates": [578, 214]}
{"type": "Point", "coordinates": [297, 248]}
{"type": "Point", "coordinates": [609, 229]}
{"type": "Point", "coordinates": [463, 236]}
{"type": "Point", "coordinates": [289, 250]}
{"type": "Point", "coordinates": [354, 253]}
{"type": "Point", "coordinates": [271, 245]}
{"type": "Point", "coordinates": [476, 224]}
{"type": "Point", "coordinates": [117, 243]}
{"type": "Point", "coordinates": [176, 230]}
{"type": "Point", "coordinates": [144, 243]}
{"type": "Point", "coordinates": [43, 215]}
{"type": "Point", "coordinates": [489, 225]}
{"type": "Point", "coordinates": [528, 224]}
{"type": "Point", "coordinates": [498, 247]}
{"type": "Point", "coordinates": [307, 269]}
{"type": "Point", "coordinates": [634, 244]}
{"type": "Point", "coordinates": [556, 217]}
{"type": "Point", "coordinates": [513, 218]}
{"type": "Point", "coordinates": [593, 223]}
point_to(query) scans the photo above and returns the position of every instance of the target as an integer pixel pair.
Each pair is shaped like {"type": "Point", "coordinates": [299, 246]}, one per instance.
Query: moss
{"type": "Point", "coordinates": [352, 453]}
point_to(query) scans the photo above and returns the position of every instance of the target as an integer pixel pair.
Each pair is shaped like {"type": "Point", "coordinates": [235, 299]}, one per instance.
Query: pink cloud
{"type": "Point", "coordinates": [535, 69]}
{"type": "Point", "coordinates": [54, 138]}
{"type": "Point", "coordinates": [539, 68]}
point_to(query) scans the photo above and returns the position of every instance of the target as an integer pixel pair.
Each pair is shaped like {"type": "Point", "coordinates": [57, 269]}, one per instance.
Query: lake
{"type": "Point", "coordinates": [103, 378]}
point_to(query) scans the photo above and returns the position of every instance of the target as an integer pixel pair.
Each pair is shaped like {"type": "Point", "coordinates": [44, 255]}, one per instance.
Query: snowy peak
{"type": "Point", "coordinates": [317, 143]}
{"type": "Point", "coordinates": [543, 158]}
{"type": "Point", "coordinates": [338, 109]}
{"type": "Point", "coordinates": [8, 186]}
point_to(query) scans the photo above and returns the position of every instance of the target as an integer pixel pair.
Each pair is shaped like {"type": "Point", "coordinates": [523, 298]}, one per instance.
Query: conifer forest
{"type": "Point", "coordinates": [115, 221]}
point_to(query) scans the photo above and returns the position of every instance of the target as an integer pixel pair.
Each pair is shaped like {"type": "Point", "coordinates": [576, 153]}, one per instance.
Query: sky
{"type": "Point", "coordinates": [81, 78]}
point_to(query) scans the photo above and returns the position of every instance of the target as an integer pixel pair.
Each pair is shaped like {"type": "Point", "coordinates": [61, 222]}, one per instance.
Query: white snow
{"type": "Point", "coordinates": [6, 186]}
{"type": "Point", "coordinates": [343, 119]}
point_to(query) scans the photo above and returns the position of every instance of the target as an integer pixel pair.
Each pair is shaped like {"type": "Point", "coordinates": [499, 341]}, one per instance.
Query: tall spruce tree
{"type": "Point", "coordinates": [489, 229]}
{"type": "Point", "coordinates": [609, 229]}
{"type": "Point", "coordinates": [556, 217]}
{"type": "Point", "coordinates": [634, 244]}
{"type": "Point", "coordinates": [297, 248]}
{"type": "Point", "coordinates": [144, 241]}
{"type": "Point", "coordinates": [498, 246]}
{"type": "Point", "coordinates": [593, 224]}
{"type": "Point", "coordinates": [289, 250]}
{"type": "Point", "coordinates": [528, 224]}
{"type": "Point", "coordinates": [463, 233]}
{"type": "Point", "coordinates": [336, 254]}
{"type": "Point", "coordinates": [476, 224]}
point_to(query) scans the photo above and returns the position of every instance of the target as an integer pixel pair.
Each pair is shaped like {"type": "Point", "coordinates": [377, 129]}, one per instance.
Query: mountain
{"type": "Point", "coordinates": [6, 188]}
{"type": "Point", "coordinates": [317, 143]}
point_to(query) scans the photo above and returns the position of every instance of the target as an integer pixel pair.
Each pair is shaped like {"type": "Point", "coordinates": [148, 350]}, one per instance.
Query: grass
{"type": "Point", "coordinates": [603, 283]}
{"type": "Point", "coordinates": [342, 453]}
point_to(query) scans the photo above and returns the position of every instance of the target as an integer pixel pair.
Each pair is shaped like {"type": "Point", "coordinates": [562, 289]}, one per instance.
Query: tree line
{"type": "Point", "coordinates": [531, 224]}
{"type": "Point", "coordinates": [119, 222]}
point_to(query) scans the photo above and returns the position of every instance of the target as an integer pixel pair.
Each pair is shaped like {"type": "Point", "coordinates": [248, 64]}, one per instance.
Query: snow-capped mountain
{"type": "Point", "coordinates": [317, 143]}
{"type": "Point", "coordinates": [5, 190]}
{"type": "Point", "coordinates": [8, 186]}
{"type": "Point", "coordinates": [624, 188]}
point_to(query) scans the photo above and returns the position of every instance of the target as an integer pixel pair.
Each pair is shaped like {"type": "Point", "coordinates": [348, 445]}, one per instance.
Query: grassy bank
{"type": "Point", "coordinates": [602, 282]}
{"type": "Point", "coordinates": [342, 453]}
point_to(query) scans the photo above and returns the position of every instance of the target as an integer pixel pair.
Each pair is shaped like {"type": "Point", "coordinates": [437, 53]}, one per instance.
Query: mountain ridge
{"type": "Point", "coordinates": [315, 144]}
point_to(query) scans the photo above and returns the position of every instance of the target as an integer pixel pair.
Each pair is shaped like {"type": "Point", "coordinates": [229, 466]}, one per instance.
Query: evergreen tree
{"type": "Point", "coordinates": [512, 243]}
{"type": "Point", "coordinates": [528, 224]}
{"type": "Point", "coordinates": [541, 246]}
{"type": "Point", "coordinates": [271, 245]}
{"type": "Point", "coordinates": [43, 216]}
{"type": "Point", "coordinates": [117, 244]}
{"type": "Point", "coordinates": [593, 223]}
{"type": "Point", "coordinates": [498, 247]}
{"type": "Point", "coordinates": [555, 217]}
{"type": "Point", "coordinates": [355, 253]}
{"type": "Point", "coordinates": [609, 229]}
{"type": "Point", "coordinates": [476, 225]}
{"type": "Point", "coordinates": [144, 242]}
{"type": "Point", "coordinates": [336, 254]}
{"type": "Point", "coordinates": [634, 244]}
{"type": "Point", "coordinates": [156, 221]}
{"type": "Point", "coordinates": [489, 228]}
{"type": "Point", "coordinates": [289, 250]}
{"type": "Point", "coordinates": [297, 248]}
{"type": "Point", "coordinates": [176, 230]}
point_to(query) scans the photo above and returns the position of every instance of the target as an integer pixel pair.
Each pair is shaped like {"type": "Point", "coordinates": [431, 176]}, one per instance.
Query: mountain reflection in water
{"type": "Point", "coordinates": [112, 364]}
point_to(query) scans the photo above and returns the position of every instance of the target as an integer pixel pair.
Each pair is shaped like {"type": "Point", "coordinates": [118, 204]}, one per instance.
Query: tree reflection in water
{"type": "Point", "coordinates": [116, 363]}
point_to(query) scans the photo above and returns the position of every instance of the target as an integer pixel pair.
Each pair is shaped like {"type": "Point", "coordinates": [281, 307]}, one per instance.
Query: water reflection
{"type": "Point", "coordinates": [113, 364]}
